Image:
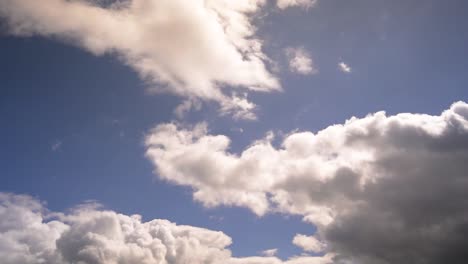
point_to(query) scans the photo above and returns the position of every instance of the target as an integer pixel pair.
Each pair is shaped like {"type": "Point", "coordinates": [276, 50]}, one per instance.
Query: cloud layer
{"type": "Point", "coordinates": [188, 48]}
{"type": "Point", "coordinates": [381, 189]}
{"type": "Point", "coordinates": [30, 234]}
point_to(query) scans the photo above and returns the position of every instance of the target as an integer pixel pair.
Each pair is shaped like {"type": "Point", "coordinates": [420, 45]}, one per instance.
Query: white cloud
{"type": "Point", "coordinates": [188, 48]}
{"type": "Point", "coordinates": [270, 252]}
{"type": "Point", "coordinates": [308, 243]}
{"type": "Point", "coordinates": [283, 4]}
{"type": "Point", "coordinates": [344, 67]}
{"type": "Point", "coordinates": [29, 234]}
{"type": "Point", "coordinates": [300, 61]}
{"type": "Point", "coordinates": [378, 188]}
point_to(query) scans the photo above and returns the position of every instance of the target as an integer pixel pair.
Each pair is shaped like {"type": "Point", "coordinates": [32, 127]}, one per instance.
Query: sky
{"type": "Point", "coordinates": [245, 132]}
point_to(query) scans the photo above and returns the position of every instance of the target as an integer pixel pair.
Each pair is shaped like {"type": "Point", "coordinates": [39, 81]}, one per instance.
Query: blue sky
{"type": "Point", "coordinates": [74, 124]}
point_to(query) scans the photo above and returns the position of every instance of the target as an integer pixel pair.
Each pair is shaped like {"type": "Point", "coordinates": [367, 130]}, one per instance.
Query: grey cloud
{"type": "Point", "coordinates": [381, 189]}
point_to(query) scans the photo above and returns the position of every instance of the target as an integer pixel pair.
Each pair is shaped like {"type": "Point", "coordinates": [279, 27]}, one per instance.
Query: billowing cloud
{"type": "Point", "coordinates": [342, 66]}
{"type": "Point", "coordinates": [380, 189]}
{"type": "Point", "coordinates": [283, 4]}
{"type": "Point", "coordinates": [300, 61]}
{"type": "Point", "coordinates": [188, 48]}
{"type": "Point", "coordinates": [30, 234]}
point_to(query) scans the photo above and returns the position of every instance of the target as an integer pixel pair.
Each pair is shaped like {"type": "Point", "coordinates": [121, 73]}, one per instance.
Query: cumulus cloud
{"type": "Point", "coordinates": [308, 243]}
{"type": "Point", "coordinates": [194, 49]}
{"type": "Point", "coordinates": [30, 234]}
{"type": "Point", "coordinates": [380, 189]}
{"type": "Point", "coordinates": [283, 4]}
{"type": "Point", "coordinates": [300, 61]}
{"type": "Point", "coordinates": [344, 67]}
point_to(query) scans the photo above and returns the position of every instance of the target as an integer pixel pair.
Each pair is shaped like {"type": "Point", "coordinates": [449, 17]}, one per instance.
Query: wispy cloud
{"type": "Point", "coordinates": [344, 67]}
{"type": "Point", "coordinates": [270, 252]}
{"type": "Point", "coordinates": [282, 4]}
{"type": "Point", "coordinates": [56, 145]}
{"type": "Point", "coordinates": [300, 61]}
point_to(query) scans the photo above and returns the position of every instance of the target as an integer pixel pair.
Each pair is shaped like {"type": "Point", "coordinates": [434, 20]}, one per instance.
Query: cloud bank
{"type": "Point", "coordinates": [380, 189]}
{"type": "Point", "coordinates": [30, 234]}
{"type": "Point", "coordinates": [189, 48]}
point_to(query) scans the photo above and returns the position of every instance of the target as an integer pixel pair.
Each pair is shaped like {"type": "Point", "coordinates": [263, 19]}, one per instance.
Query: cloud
{"type": "Point", "coordinates": [283, 4]}
{"type": "Point", "coordinates": [308, 243]}
{"type": "Point", "coordinates": [270, 252]}
{"type": "Point", "coordinates": [380, 189]}
{"type": "Point", "coordinates": [300, 61]}
{"type": "Point", "coordinates": [344, 67]}
{"type": "Point", "coordinates": [30, 234]}
{"type": "Point", "coordinates": [56, 146]}
{"type": "Point", "coordinates": [194, 49]}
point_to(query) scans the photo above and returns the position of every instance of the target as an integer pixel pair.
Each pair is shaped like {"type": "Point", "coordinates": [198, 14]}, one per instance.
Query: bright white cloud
{"type": "Point", "coordinates": [344, 67]}
{"type": "Point", "coordinates": [376, 187]}
{"type": "Point", "coordinates": [308, 243]}
{"type": "Point", "coordinates": [283, 4]}
{"type": "Point", "coordinates": [300, 61]}
{"type": "Point", "coordinates": [29, 234]}
{"type": "Point", "coordinates": [188, 48]}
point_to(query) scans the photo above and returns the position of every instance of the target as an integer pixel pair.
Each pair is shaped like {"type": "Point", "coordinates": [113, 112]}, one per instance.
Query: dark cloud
{"type": "Point", "coordinates": [381, 189]}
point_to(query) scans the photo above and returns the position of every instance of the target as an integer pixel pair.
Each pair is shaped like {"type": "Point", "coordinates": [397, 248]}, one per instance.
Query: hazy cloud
{"type": "Point", "coordinates": [56, 145]}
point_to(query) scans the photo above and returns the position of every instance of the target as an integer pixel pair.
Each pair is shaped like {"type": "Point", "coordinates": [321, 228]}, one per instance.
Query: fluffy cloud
{"type": "Point", "coordinates": [300, 61]}
{"type": "Point", "coordinates": [283, 4]}
{"type": "Point", "coordinates": [381, 189]}
{"type": "Point", "coordinates": [29, 234]}
{"type": "Point", "coordinates": [189, 48]}
{"type": "Point", "coordinates": [308, 243]}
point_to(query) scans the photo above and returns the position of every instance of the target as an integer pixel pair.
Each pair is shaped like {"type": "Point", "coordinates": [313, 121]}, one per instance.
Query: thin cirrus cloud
{"type": "Point", "coordinates": [283, 4]}
{"type": "Point", "coordinates": [189, 48]}
{"type": "Point", "coordinates": [300, 61]}
{"type": "Point", "coordinates": [354, 181]}
{"type": "Point", "coordinates": [30, 234]}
